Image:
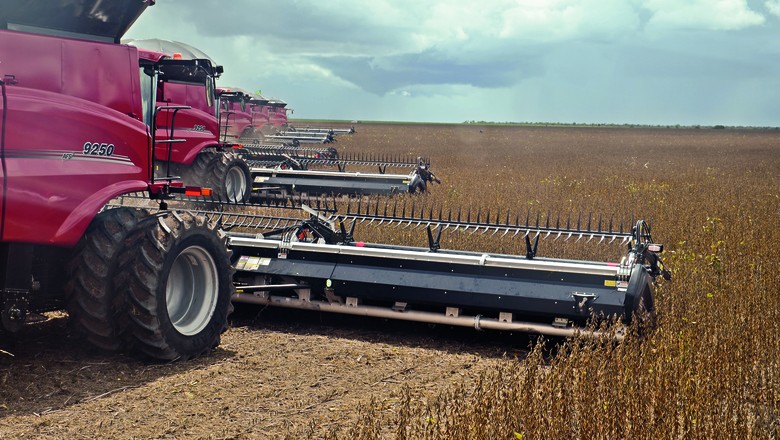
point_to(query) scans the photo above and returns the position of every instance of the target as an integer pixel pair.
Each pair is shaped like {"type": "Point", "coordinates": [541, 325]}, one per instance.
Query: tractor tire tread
{"type": "Point", "coordinates": [150, 331]}
{"type": "Point", "coordinates": [91, 299]}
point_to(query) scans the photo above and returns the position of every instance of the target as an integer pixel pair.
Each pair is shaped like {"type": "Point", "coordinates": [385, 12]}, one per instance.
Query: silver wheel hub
{"type": "Point", "coordinates": [192, 290]}
{"type": "Point", "coordinates": [235, 184]}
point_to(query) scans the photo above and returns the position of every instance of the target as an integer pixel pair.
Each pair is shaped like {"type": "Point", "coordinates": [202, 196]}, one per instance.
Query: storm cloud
{"type": "Point", "coordinates": [369, 55]}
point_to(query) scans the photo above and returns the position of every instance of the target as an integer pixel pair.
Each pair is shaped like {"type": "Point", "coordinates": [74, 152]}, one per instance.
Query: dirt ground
{"type": "Point", "coordinates": [290, 374]}
{"type": "Point", "coordinates": [277, 373]}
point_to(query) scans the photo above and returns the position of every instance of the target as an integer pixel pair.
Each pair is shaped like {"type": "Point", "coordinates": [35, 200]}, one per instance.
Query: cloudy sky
{"type": "Point", "coordinates": [587, 61]}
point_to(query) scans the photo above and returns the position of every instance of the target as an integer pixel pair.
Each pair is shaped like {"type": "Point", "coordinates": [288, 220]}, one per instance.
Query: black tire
{"type": "Point", "coordinates": [224, 172]}
{"type": "Point", "coordinates": [92, 302]}
{"type": "Point", "coordinates": [232, 177]}
{"type": "Point", "coordinates": [176, 282]}
{"type": "Point", "coordinates": [417, 185]}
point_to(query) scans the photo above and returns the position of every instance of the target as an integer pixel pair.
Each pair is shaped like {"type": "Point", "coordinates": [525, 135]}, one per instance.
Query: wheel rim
{"type": "Point", "coordinates": [235, 184]}
{"type": "Point", "coordinates": [192, 290]}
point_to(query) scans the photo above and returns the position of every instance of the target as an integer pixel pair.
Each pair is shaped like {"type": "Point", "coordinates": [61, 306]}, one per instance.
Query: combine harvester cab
{"type": "Point", "coordinates": [235, 117]}
{"type": "Point", "coordinates": [278, 113]}
{"type": "Point", "coordinates": [317, 265]}
{"type": "Point", "coordinates": [258, 107]}
{"type": "Point", "coordinates": [77, 131]}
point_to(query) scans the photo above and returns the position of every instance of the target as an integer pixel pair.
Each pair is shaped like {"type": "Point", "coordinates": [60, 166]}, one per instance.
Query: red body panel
{"type": "Point", "coordinates": [74, 137]}
{"type": "Point", "coordinates": [198, 125]}
{"type": "Point", "coordinates": [260, 116]}
{"type": "Point", "coordinates": [237, 120]}
{"type": "Point", "coordinates": [277, 116]}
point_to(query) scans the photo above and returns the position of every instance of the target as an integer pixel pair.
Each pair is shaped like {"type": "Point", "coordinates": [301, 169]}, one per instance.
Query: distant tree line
{"type": "Point", "coordinates": [574, 124]}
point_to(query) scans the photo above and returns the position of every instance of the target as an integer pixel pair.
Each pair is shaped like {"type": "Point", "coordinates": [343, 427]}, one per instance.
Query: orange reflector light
{"type": "Point", "coordinates": [177, 56]}
{"type": "Point", "coordinates": [194, 191]}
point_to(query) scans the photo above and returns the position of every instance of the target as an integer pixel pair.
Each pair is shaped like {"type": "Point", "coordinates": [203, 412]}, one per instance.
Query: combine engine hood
{"type": "Point", "coordinates": [98, 20]}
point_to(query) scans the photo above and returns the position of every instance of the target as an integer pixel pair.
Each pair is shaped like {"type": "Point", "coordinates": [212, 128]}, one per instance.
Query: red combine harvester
{"type": "Point", "coordinates": [85, 120]}
{"type": "Point", "coordinates": [260, 113]}
{"type": "Point", "coordinates": [278, 112]}
{"type": "Point", "coordinates": [78, 117]}
{"type": "Point", "coordinates": [209, 123]}
{"type": "Point", "coordinates": [235, 114]}
{"type": "Point", "coordinates": [201, 153]}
